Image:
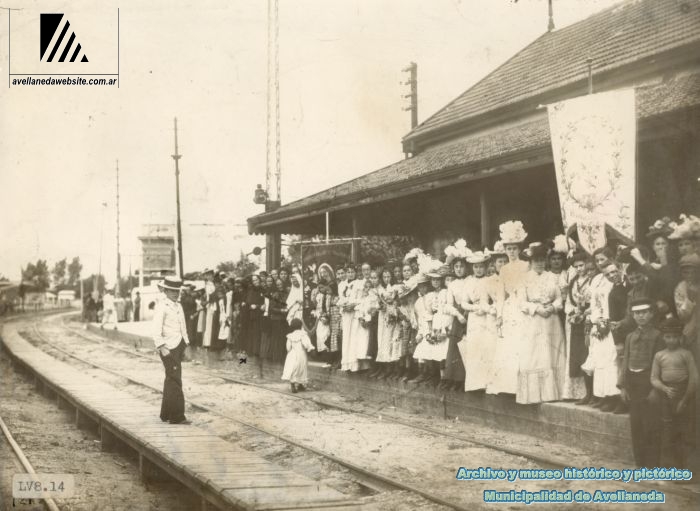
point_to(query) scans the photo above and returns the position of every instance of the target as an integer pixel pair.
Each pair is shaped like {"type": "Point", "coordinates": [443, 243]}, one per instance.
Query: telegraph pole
{"type": "Point", "coordinates": [177, 157]}
{"type": "Point", "coordinates": [117, 287]}
{"type": "Point", "coordinates": [413, 95]}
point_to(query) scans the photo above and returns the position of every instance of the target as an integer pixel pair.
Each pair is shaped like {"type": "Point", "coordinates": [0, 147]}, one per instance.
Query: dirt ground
{"type": "Point", "coordinates": [414, 457]}
{"type": "Point", "coordinates": [49, 439]}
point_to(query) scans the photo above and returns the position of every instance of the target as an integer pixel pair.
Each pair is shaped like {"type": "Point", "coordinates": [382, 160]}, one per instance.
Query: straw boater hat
{"type": "Point", "coordinates": [171, 283]}
{"type": "Point", "coordinates": [512, 232]}
{"type": "Point", "coordinates": [641, 304]}
{"type": "Point", "coordinates": [498, 250]}
{"type": "Point", "coordinates": [459, 250]}
{"type": "Point", "coordinates": [661, 228]}
{"type": "Point", "coordinates": [478, 257]}
{"type": "Point", "coordinates": [687, 228]}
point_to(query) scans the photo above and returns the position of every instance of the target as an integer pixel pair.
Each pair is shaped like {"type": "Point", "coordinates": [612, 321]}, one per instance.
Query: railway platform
{"type": "Point", "coordinates": [223, 474]}
{"type": "Point", "coordinates": [604, 434]}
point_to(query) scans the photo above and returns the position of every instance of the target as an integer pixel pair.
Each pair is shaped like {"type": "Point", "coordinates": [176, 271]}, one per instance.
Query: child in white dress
{"type": "Point", "coordinates": [296, 365]}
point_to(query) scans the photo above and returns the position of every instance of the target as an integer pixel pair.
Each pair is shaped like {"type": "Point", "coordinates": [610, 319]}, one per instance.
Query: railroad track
{"type": "Point", "coordinates": [19, 454]}
{"type": "Point", "coordinates": [364, 477]}
{"type": "Point", "coordinates": [548, 461]}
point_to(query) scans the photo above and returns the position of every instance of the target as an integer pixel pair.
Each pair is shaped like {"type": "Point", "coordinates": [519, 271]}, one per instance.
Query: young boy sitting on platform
{"type": "Point", "coordinates": [635, 385]}
{"type": "Point", "coordinates": [674, 374]}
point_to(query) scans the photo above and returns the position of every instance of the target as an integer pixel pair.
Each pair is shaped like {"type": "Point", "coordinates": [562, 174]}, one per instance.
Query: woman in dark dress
{"type": "Point", "coordinates": [277, 332]}
{"type": "Point", "coordinates": [577, 309]}
{"type": "Point", "coordinates": [254, 309]}
{"type": "Point", "coordinates": [235, 318]}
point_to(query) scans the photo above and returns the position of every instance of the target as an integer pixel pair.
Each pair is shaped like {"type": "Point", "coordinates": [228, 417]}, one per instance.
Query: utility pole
{"type": "Point", "coordinates": [119, 260]}
{"type": "Point", "coordinates": [550, 25]}
{"type": "Point", "coordinates": [177, 157]}
{"type": "Point", "coordinates": [413, 95]}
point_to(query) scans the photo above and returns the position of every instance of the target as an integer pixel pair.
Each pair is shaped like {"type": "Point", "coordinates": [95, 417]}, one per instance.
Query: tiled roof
{"type": "Point", "coordinates": [614, 37]}
{"type": "Point", "coordinates": [681, 92]}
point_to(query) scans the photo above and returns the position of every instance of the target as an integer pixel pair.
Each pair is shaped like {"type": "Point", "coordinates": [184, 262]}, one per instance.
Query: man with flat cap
{"type": "Point", "coordinates": [635, 383]}
{"type": "Point", "coordinates": [170, 339]}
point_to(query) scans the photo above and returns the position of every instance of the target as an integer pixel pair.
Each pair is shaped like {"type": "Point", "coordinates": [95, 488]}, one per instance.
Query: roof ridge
{"type": "Point", "coordinates": [424, 127]}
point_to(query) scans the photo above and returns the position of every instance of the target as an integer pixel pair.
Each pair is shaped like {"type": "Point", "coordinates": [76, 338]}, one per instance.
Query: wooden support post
{"type": "Point", "coordinates": [107, 439]}
{"type": "Point", "coordinates": [150, 471]}
{"type": "Point", "coordinates": [205, 505]}
{"type": "Point", "coordinates": [485, 218]}
{"type": "Point", "coordinates": [355, 252]}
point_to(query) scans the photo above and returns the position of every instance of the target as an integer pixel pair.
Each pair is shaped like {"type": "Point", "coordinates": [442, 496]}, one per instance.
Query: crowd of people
{"type": "Point", "coordinates": [544, 321]}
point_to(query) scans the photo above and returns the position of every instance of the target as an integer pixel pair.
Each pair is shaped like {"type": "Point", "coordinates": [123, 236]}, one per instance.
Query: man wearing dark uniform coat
{"type": "Point", "coordinates": [170, 339]}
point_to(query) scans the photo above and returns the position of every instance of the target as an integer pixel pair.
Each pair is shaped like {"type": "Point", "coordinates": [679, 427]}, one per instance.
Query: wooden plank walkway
{"type": "Point", "coordinates": [221, 473]}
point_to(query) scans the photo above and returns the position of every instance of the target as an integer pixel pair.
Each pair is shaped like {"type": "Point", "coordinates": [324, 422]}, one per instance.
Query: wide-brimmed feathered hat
{"type": "Point", "coordinates": [478, 257]}
{"type": "Point", "coordinates": [171, 283]}
{"type": "Point", "coordinates": [414, 253]}
{"type": "Point", "coordinates": [512, 231]}
{"type": "Point", "coordinates": [663, 228]}
{"type": "Point", "coordinates": [458, 250]}
{"type": "Point", "coordinates": [688, 227]}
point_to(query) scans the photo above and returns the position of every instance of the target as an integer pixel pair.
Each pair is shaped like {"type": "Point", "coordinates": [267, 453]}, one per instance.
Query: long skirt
{"type": "Point", "coordinates": [209, 327]}
{"type": "Point", "coordinates": [323, 334]}
{"type": "Point", "coordinates": [601, 363]}
{"type": "Point", "coordinates": [266, 339]}
{"type": "Point", "coordinates": [574, 384]}
{"type": "Point", "coordinates": [336, 329]}
{"type": "Point", "coordinates": [386, 332]}
{"type": "Point", "coordinates": [349, 359]}
{"type": "Point", "coordinates": [253, 333]}
{"type": "Point", "coordinates": [542, 360]}
{"type": "Point", "coordinates": [373, 337]}
{"type": "Point", "coordinates": [295, 366]}
{"type": "Point", "coordinates": [454, 366]}
{"type": "Point", "coordinates": [359, 344]}
{"type": "Point", "coordinates": [504, 377]}
{"type": "Point", "coordinates": [478, 351]}
{"type": "Point", "coordinates": [402, 340]}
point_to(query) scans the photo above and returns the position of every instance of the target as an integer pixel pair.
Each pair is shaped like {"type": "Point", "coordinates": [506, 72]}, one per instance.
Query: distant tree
{"type": "Point", "coordinates": [59, 272]}
{"type": "Point", "coordinates": [3, 278]}
{"type": "Point", "coordinates": [74, 269]}
{"type": "Point", "coordinates": [89, 283]}
{"type": "Point", "coordinates": [240, 268]}
{"type": "Point", "coordinates": [37, 274]}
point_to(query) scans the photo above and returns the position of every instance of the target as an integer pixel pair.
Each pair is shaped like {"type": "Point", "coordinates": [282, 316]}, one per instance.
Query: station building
{"type": "Point", "coordinates": [486, 157]}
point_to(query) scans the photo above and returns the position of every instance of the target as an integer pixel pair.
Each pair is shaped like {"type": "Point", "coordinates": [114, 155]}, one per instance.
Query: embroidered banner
{"type": "Point", "coordinates": [593, 141]}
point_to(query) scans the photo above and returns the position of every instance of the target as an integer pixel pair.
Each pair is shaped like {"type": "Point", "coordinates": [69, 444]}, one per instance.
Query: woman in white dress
{"type": "Point", "coordinates": [454, 366]}
{"type": "Point", "coordinates": [387, 323]}
{"type": "Point", "coordinates": [543, 353]}
{"type": "Point", "coordinates": [601, 362]}
{"type": "Point", "coordinates": [509, 318]}
{"type": "Point", "coordinates": [434, 325]}
{"type": "Point", "coordinates": [296, 364]}
{"type": "Point", "coordinates": [477, 346]}
{"type": "Point", "coordinates": [347, 308]}
{"type": "Point", "coordinates": [366, 305]}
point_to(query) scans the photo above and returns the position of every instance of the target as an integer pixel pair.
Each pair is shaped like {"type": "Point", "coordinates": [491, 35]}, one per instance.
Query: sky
{"type": "Point", "coordinates": [204, 62]}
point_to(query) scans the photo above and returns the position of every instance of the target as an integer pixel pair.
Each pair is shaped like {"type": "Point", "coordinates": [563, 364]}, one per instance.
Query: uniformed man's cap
{"type": "Point", "coordinates": [641, 304]}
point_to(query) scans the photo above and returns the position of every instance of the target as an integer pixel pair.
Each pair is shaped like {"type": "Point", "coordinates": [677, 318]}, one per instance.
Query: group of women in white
{"type": "Point", "coordinates": [479, 320]}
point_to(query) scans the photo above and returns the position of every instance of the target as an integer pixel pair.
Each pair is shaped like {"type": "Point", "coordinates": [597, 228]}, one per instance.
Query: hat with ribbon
{"type": "Point", "coordinates": [171, 283]}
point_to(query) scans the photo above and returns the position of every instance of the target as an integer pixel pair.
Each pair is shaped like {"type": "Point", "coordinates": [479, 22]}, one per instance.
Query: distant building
{"type": "Point", "coordinates": [157, 249]}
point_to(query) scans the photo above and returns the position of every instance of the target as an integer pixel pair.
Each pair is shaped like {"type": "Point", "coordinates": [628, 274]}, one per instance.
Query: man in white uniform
{"type": "Point", "coordinates": [170, 339]}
